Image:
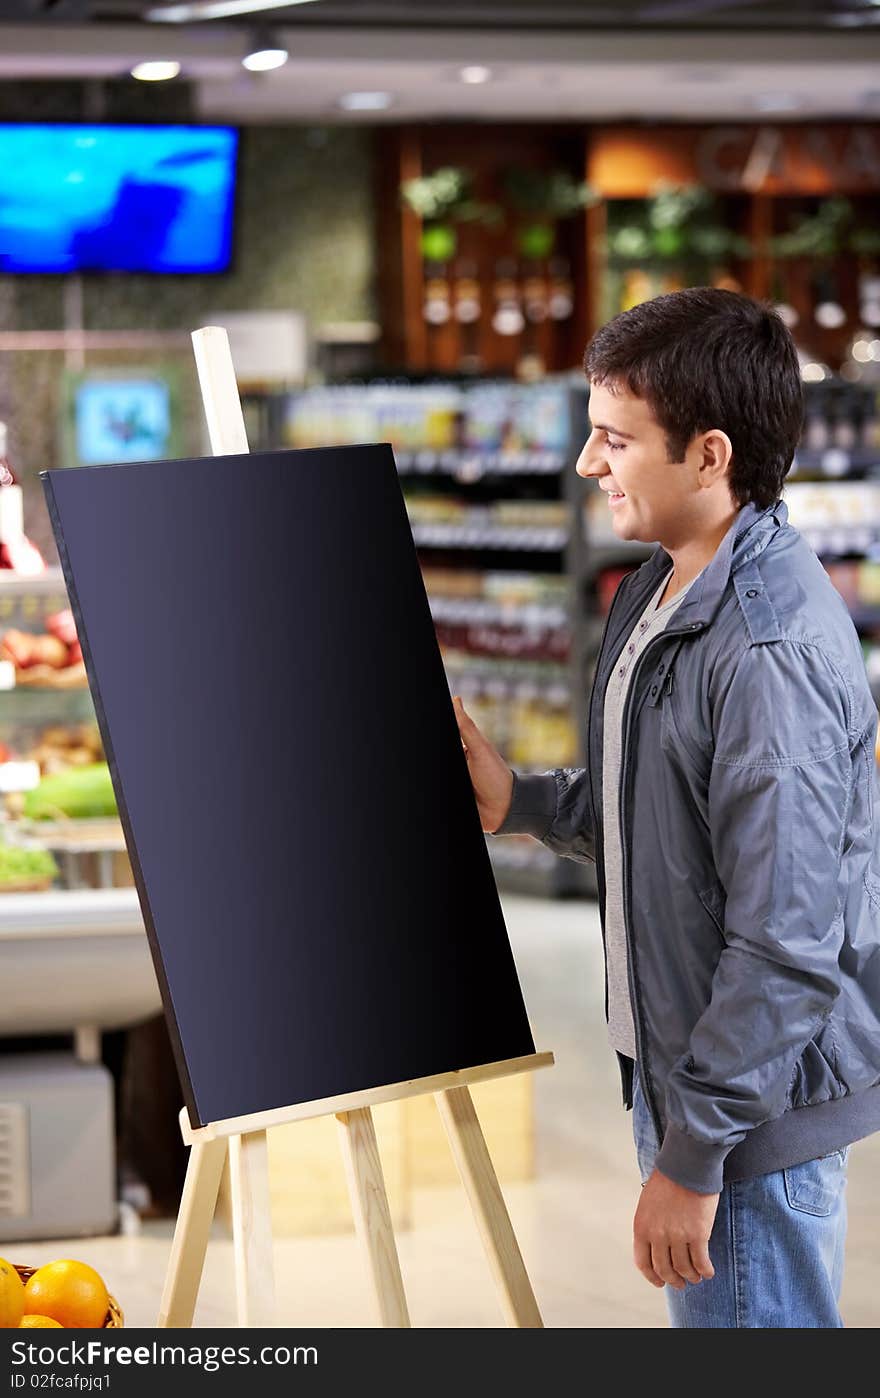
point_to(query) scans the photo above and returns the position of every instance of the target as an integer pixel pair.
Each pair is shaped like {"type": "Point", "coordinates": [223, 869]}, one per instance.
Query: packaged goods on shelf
{"type": "Point", "coordinates": [481, 418]}
{"type": "Point", "coordinates": [487, 417]}
{"type": "Point", "coordinates": [541, 731]}
{"type": "Point", "coordinates": [868, 583]}
{"type": "Point", "coordinates": [453, 582]}
{"type": "Point", "coordinates": [825, 506]}
{"type": "Point", "coordinates": [515, 418]}
{"type": "Point", "coordinates": [545, 589]}
{"type": "Point", "coordinates": [607, 582]}
{"type": "Point", "coordinates": [841, 427]}
{"type": "Point", "coordinates": [518, 514]}
{"type": "Point", "coordinates": [529, 723]}
{"type": "Point", "coordinates": [542, 514]}
{"type": "Point", "coordinates": [441, 509]}
{"type": "Point", "coordinates": [487, 703]}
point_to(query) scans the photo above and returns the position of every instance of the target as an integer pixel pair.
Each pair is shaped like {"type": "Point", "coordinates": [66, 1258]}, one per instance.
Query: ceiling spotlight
{"type": "Point", "coordinates": [365, 101]}
{"type": "Point", "coordinates": [214, 9]}
{"type": "Point", "coordinates": [475, 74]}
{"type": "Point", "coordinates": [155, 72]}
{"type": "Point", "coordinates": [264, 54]}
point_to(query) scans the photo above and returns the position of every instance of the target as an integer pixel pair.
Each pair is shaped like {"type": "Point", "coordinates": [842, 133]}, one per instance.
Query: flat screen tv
{"type": "Point", "coordinates": [76, 198]}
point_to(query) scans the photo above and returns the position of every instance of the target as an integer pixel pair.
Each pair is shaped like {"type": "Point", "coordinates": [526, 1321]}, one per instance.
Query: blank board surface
{"type": "Point", "coordinates": [296, 802]}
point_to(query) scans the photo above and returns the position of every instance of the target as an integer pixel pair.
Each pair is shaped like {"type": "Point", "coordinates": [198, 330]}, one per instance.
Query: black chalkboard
{"type": "Point", "coordinates": [304, 839]}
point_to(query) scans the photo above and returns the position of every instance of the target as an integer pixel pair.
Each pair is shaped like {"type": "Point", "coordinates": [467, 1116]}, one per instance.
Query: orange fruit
{"type": "Point", "coordinates": [68, 1291]}
{"type": "Point", "coordinates": [11, 1296]}
{"type": "Point", "coordinates": [39, 1322]}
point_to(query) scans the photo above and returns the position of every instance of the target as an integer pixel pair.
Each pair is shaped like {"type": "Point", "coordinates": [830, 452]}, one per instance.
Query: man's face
{"type": "Point", "coordinates": [650, 498]}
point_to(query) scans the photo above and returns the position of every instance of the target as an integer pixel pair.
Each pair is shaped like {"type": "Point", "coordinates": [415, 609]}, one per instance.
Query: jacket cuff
{"type": "Point", "coordinates": [693, 1164]}
{"type": "Point", "coordinates": [532, 806]}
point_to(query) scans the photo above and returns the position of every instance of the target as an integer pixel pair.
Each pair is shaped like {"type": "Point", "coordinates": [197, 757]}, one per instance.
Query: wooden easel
{"type": "Point", "coordinates": [244, 1138]}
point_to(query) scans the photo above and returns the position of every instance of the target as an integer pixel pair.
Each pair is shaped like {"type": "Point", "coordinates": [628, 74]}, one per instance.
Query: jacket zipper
{"type": "Point", "coordinates": [623, 793]}
{"type": "Point", "coordinates": [600, 858]}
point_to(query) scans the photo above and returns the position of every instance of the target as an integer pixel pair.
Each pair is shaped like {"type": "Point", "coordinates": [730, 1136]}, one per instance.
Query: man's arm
{"type": "Point", "coordinates": [553, 807]}
{"type": "Point", "coordinates": [779, 799]}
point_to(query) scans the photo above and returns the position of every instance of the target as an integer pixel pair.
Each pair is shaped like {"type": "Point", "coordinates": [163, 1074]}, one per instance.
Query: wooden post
{"type": "Point", "coordinates": [372, 1216]}
{"type": "Point", "coordinates": [191, 1232]}
{"type": "Point", "coordinates": [252, 1229]}
{"type": "Point", "coordinates": [493, 1221]}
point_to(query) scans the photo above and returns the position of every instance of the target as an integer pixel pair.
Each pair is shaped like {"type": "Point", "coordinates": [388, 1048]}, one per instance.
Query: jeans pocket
{"type": "Point", "coordinates": [814, 1187]}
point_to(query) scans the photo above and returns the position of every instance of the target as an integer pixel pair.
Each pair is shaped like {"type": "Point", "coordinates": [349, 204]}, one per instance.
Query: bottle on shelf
{"type": "Point", "coordinates": [17, 553]}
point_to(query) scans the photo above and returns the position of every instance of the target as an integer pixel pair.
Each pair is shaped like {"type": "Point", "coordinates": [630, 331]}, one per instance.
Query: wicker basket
{"type": "Point", "coordinates": [114, 1320]}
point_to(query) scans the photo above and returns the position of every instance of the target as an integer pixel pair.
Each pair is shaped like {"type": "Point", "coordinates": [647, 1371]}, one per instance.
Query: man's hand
{"type": "Point", "coordinates": [491, 778]}
{"type": "Point", "coordinates": [671, 1233]}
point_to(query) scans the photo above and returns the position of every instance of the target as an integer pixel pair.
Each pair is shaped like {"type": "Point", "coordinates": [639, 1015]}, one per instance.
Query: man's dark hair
{"type": "Point", "coordinates": [705, 358]}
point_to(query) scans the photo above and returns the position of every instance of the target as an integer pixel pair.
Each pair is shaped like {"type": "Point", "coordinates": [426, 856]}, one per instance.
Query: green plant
{"type": "Point", "coordinates": [679, 224]}
{"type": "Point", "coordinates": [550, 194]}
{"type": "Point", "coordinates": [830, 231]}
{"type": "Point", "coordinates": [447, 194]}
{"type": "Point", "coordinates": [17, 862]}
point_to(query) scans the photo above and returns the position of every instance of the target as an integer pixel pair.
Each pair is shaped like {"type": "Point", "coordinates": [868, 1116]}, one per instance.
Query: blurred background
{"type": "Point", "coordinates": [410, 217]}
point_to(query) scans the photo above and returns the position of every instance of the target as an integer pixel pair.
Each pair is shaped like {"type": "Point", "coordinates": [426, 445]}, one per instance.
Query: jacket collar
{"type": "Point", "coordinates": [747, 537]}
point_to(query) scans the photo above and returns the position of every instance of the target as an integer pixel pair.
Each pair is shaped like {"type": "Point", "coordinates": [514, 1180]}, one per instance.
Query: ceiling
{"type": "Point", "coordinates": [798, 15]}
{"type": "Point", "coordinates": [561, 61]}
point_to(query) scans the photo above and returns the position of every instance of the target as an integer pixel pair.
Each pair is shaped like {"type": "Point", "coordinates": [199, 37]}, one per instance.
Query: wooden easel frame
{"type": "Point", "coordinates": [243, 1139]}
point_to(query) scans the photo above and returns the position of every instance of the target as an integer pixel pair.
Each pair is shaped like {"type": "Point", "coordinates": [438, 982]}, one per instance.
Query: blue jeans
{"type": "Point", "coordinates": [777, 1244]}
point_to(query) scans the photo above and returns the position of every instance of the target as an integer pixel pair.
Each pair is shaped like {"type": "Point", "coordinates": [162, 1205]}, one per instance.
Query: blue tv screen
{"type": "Point", "coordinates": [77, 198]}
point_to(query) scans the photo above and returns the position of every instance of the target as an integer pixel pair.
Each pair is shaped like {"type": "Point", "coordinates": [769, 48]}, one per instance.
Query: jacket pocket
{"type": "Point", "coordinates": [815, 1186]}
{"type": "Point", "coordinates": [714, 900]}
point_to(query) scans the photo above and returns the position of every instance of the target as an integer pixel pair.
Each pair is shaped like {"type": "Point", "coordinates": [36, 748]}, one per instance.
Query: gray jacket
{"type": "Point", "coordinates": [750, 866]}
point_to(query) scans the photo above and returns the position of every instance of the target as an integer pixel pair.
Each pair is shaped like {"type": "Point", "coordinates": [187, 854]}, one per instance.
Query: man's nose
{"type": "Point", "coordinates": [591, 461]}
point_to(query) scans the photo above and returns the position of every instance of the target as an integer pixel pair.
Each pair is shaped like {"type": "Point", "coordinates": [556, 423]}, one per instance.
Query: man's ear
{"type": "Point", "coordinates": [715, 455]}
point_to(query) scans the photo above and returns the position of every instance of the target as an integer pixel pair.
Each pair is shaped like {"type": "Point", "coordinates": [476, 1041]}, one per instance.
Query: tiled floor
{"type": "Point", "coordinates": [573, 1221]}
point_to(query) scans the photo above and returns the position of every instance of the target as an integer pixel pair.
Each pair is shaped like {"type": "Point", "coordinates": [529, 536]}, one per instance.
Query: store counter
{"type": "Point", "coordinates": [74, 960]}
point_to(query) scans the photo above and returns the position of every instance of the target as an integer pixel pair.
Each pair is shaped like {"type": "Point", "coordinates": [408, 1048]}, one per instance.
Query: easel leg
{"type": "Point", "coordinates": [197, 1205]}
{"type": "Point", "coordinates": [372, 1217]}
{"type": "Point", "coordinates": [481, 1184]}
{"type": "Point", "coordinates": [252, 1229]}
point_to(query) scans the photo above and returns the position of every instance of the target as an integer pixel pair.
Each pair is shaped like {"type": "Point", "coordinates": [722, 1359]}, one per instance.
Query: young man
{"type": "Point", "coordinates": [728, 801]}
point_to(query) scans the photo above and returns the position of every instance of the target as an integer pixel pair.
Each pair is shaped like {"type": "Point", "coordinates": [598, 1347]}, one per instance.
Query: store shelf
{"type": "Point", "coordinates": [472, 465]}
{"type": "Point", "coordinates": [465, 536]}
{"type": "Point", "coordinates": [46, 677]}
{"type": "Point", "coordinates": [835, 463]}
{"type": "Point", "coordinates": [73, 959]}
{"type": "Point", "coordinates": [476, 611]}
{"type": "Point", "coordinates": [544, 674]}
{"type": "Point", "coordinates": [16, 585]}
{"type": "Point", "coordinates": [35, 705]}
{"type": "Point", "coordinates": [836, 542]}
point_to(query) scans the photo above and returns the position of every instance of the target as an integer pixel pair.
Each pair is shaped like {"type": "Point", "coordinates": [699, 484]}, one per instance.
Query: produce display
{"type": "Point", "coordinates": [21, 867]}
{"type": "Point", "coordinates": [65, 1294]}
{"type": "Point", "coordinates": [77, 792]}
{"type": "Point", "coordinates": [67, 745]}
{"type": "Point", "coordinates": [53, 658]}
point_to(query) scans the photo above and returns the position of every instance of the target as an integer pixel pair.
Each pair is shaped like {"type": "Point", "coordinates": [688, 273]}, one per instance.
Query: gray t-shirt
{"type": "Point", "coordinates": [621, 1032]}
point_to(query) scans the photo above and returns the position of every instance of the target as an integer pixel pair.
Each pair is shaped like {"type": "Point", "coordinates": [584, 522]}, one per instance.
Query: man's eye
{"type": "Point", "coordinates": [616, 446]}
